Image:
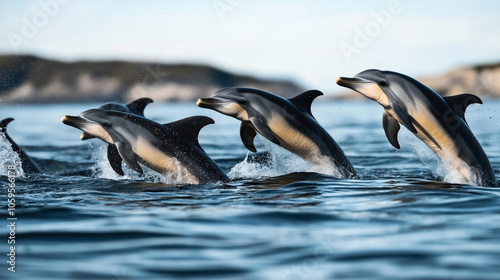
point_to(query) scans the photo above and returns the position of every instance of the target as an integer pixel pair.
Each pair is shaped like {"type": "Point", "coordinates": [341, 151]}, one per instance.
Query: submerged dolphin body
{"type": "Point", "coordinates": [171, 148]}
{"type": "Point", "coordinates": [28, 165]}
{"type": "Point", "coordinates": [94, 130]}
{"type": "Point", "coordinates": [438, 122]}
{"type": "Point", "coordinates": [288, 123]}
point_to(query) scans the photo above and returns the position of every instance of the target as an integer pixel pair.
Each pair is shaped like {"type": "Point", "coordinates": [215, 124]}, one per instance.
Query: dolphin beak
{"type": "Point", "coordinates": [73, 121]}
{"type": "Point", "coordinates": [210, 102]}
{"type": "Point", "coordinates": [351, 82]}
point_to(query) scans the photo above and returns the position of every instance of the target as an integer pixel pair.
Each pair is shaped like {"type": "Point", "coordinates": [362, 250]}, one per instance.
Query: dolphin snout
{"type": "Point", "coordinates": [350, 82]}
{"type": "Point", "coordinates": [210, 102]}
{"type": "Point", "coordinates": [73, 121]}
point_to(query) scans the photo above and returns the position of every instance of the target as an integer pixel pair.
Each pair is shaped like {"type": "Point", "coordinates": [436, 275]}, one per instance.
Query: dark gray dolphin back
{"type": "Point", "coordinates": [135, 107]}
{"type": "Point", "coordinates": [28, 165]}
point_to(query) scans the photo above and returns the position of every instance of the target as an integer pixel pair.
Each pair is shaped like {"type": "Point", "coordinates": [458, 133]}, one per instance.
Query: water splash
{"type": "Point", "coordinates": [102, 168]}
{"type": "Point", "coordinates": [445, 172]}
{"type": "Point", "coordinates": [9, 158]}
{"type": "Point", "coordinates": [278, 162]}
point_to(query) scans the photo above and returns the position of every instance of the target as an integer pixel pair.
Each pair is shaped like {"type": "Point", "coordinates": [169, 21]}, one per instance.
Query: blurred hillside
{"type": "Point", "coordinates": [37, 80]}
{"type": "Point", "coordinates": [481, 80]}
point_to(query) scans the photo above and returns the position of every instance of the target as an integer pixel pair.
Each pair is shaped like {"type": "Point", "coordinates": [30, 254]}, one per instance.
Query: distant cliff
{"type": "Point", "coordinates": [36, 80]}
{"type": "Point", "coordinates": [481, 80]}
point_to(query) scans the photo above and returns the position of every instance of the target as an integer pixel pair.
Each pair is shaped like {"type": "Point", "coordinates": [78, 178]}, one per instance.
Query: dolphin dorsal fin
{"type": "Point", "coordinates": [189, 128]}
{"type": "Point", "coordinates": [138, 105]}
{"type": "Point", "coordinates": [4, 123]}
{"type": "Point", "coordinates": [391, 128]}
{"type": "Point", "coordinates": [304, 100]}
{"type": "Point", "coordinates": [458, 103]}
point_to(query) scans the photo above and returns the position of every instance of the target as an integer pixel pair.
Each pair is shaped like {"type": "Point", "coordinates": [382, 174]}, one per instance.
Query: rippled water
{"type": "Point", "coordinates": [78, 220]}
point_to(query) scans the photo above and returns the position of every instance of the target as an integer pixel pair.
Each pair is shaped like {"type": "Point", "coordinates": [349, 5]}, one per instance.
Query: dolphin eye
{"type": "Point", "coordinates": [383, 83]}
{"type": "Point", "coordinates": [242, 101]}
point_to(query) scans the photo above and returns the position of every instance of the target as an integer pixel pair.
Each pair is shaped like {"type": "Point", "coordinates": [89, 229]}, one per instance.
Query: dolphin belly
{"type": "Point", "coordinates": [292, 139]}
{"type": "Point", "coordinates": [157, 160]}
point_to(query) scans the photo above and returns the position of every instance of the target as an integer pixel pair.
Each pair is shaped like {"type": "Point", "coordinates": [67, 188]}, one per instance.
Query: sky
{"type": "Point", "coordinates": [311, 42]}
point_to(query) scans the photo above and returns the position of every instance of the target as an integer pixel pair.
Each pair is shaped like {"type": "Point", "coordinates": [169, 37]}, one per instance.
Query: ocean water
{"type": "Point", "coordinates": [276, 220]}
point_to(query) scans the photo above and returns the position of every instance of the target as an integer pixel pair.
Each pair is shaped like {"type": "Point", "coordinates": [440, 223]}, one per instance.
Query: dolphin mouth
{"type": "Point", "coordinates": [74, 121]}
{"type": "Point", "coordinates": [351, 82]}
{"type": "Point", "coordinates": [211, 102]}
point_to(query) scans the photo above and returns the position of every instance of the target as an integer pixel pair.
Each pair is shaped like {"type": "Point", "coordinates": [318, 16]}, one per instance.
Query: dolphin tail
{"type": "Point", "coordinates": [4, 123]}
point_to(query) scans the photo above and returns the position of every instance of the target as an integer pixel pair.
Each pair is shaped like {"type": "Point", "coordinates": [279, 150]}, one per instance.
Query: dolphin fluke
{"type": "Point", "coordinates": [28, 165]}
{"type": "Point", "coordinates": [4, 123]}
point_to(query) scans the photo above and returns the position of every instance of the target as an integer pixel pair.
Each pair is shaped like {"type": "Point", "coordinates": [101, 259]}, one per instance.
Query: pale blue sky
{"type": "Point", "coordinates": [302, 40]}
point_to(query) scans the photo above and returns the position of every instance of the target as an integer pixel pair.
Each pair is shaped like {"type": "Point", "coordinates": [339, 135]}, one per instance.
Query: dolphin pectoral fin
{"type": "Point", "coordinates": [128, 156]}
{"type": "Point", "coordinates": [391, 128]}
{"type": "Point", "coordinates": [264, 130]}
{"type": "Point", "coordinates": [304, 100]}
{"type": "Point", "coordinates": [459, 103]}
{"type": "Point", "coordinates": [247, 134]}
{"type": "Point", "coordinates": [189, 128]}
{"type": "Point", "coordinates": [137, 106]}
{"type": "Point", "coordinates": [404, 117]}
{"type": "Point", "coordinates": [114, 159]}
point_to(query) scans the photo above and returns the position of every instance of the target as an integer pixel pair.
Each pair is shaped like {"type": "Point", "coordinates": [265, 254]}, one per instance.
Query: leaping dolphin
{"type": "Point", "coordinates": [439, 122]}
{"type": "Point", "coordinates": [171, 148]}
{"type": "Point", "coordinates": [288, 123]}
{"type": "Point", "coordinates": [94, 130]}
{"type": "Point", "coordinates": [28, 165]}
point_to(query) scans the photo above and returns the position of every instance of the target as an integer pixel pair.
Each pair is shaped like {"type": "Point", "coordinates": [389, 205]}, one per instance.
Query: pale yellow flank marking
{"type": "Point", "coordinates": [293, 140]}
{"type": "Point", "coordinates": [156, 160]}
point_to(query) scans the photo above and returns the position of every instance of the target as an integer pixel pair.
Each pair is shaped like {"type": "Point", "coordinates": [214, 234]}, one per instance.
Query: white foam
{"type": "Point", "coordinates": [9, 158]}
{"type": "Point", "coordinates": [281, 162]}
{"type": "Point", "coordinates": [102, 169]}
{"type": "Point", "coordinates": [447, 172]}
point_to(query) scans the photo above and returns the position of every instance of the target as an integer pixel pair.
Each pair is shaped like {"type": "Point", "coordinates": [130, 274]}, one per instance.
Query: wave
{"type": "Point", "coordinates": [9, 158]}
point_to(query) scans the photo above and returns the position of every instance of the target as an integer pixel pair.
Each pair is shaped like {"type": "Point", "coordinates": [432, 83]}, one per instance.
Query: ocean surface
{"type": "Point", "coordinates": [276, 220]}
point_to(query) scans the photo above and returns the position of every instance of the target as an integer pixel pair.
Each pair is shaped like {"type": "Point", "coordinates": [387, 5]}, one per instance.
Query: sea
{"type": "Point", "coordinates": [277, 219]}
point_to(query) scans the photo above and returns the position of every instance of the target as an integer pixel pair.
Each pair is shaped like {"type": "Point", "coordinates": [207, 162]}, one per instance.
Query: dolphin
{"type": "Point", "coordinates": [438, 122]}
{"type": "Point", "coordinates": [171, 148]}
{"type": "Point", "coordinates": [28, 165]}
{"type": "Point", "coordinates": [94, 130]}
{"type": "Point", "coordinates": [288, 123]}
